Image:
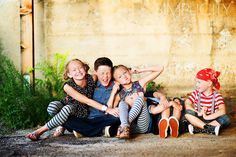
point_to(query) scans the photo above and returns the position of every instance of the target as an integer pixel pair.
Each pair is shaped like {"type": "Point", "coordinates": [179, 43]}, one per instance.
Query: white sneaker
{"type": "Point", "coordinates": [217, 130]}
{"type": "Point", "coordinates": [190, 129]}
{"type": "Point", "coordinates": [106, 131]}
{"type": "Point", "coordinates": [77, 134]}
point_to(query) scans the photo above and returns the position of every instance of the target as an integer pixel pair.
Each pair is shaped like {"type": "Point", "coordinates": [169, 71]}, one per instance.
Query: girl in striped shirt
{"type": "Point", "coordinates": [205, 108]}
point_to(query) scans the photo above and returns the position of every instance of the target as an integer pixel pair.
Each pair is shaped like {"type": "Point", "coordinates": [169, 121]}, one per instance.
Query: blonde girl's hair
{"type": "Point", "coordinates": [118, 67]}
{"type": "Point", "coordinates": [66, 69]}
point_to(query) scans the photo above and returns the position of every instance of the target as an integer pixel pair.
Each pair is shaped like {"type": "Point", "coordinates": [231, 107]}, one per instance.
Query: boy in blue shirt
{"type": "Point", "coordinates": [103, 75]}
{"type": "Point", "coordinates": [104, 86]}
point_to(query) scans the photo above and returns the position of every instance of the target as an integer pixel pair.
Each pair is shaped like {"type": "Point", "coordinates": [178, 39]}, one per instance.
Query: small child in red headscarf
{"type": "Point", "coordinates": [205, 108]}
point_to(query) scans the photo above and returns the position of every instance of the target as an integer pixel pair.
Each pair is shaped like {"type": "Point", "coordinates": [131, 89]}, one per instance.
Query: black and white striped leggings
{"type": "Point", "coordinates": [137, 112]}
{"type": "Point", "coordinates": [59, 112]}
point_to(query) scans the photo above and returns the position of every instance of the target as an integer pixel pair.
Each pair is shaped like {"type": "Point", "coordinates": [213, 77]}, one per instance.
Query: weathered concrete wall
{"type": "Point", "coordinates": [10, 30]}
{"type": "Point", "coordinates": [184, 36]}
{"type": "Point", "coordinates": [39, 33]}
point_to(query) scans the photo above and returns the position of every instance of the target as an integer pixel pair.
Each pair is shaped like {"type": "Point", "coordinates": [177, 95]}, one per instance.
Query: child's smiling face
{"type": "Point", "coordinates": [122, 76]}
{"type": "Point", "coordinates": [104, 74]}
{"type": "Point", "coordinates": [76, 70]}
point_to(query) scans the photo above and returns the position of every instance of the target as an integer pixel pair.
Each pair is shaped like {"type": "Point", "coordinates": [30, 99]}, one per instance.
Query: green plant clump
{"type": "Point", "coordinates": [21, 106]}
{"type": "Point", "coordinates": [153, 87]}
{"type": "Point", "coordinates": [53, 82]}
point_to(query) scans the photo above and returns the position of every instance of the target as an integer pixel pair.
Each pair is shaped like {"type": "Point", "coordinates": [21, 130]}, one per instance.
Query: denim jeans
{"type": "Point", "coordinates": [223, 120]}
{"type": "Point", "coordinates": [91, 127]}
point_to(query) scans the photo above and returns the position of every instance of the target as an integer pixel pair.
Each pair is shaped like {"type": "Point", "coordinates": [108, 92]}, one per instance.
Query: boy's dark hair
{"type": "Point", "coordinates": [102, 61]}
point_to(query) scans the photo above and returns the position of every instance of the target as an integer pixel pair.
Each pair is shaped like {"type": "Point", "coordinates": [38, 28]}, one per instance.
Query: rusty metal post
{"type": "Point", "coordinates": [27, 38]}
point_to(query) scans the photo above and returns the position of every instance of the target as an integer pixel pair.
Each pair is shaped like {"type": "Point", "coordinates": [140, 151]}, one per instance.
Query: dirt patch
{"type": "Point", "coordinates": [139, 145]}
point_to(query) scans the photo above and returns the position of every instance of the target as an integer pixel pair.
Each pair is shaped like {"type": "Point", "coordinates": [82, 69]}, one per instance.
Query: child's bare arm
{"type": "Point", "coordinates": [116, 101]}
{"type": "Point", "coordinates": [83, 99]}
{"type": "Point", "coordinates": [163, 104]}
{"type": "Point", "coordinates": [162, 98]}
{"type": "Point", "coordinates": [189, 105]}
{"type": "Point", "coordinates": [114, 97]}
{"type": "Point", "coordinates": [95, 78]}
{"type": "Point", "coordinates": [155, 71]}
{"type": "Point", "coordinates": [218, 113]}
{"type": "Point", "coordinates": [153, 109]}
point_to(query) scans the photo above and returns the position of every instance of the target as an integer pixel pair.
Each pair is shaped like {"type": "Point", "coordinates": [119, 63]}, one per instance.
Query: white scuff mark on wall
{"type": "Point", "coordinates": [189, 67]}
{"type": "Point", "coordinates": [224, 39]}
{"type": "Point", "coordinates": [183, 40]}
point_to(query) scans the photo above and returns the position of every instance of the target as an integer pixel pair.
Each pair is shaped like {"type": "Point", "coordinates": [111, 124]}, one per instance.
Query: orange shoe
{"type": "Point", "coordinates": [174, 126]}
{"type": "Point", "coordinates": [163, 127]}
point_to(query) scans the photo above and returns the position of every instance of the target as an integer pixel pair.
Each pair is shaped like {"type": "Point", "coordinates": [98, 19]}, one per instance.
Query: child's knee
{"type": "Point", "coordinates": [190, 114]}
{"type": "Point", "coordinates": [224, 121]}
{"type": "Point", "coordinates": [68, 108]}
{"type": "Point", "coordinates": [140, 99]}
{"type": "Point", "coordinates": [54, 107]}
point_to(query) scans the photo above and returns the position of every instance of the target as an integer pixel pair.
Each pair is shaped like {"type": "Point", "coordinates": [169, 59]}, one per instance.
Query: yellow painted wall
{"type": "Point", "coordinates": [184, 36]}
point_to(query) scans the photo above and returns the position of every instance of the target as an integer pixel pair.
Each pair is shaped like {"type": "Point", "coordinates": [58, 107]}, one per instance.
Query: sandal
{"type": "Point", "coordinates": [125, 132]}
{"type": "Point", "coordinates": [32, 136]}
{"type": "Point", "coordinates": [59, 131]}
{"type": "Point", "coordinates": [119, 130]}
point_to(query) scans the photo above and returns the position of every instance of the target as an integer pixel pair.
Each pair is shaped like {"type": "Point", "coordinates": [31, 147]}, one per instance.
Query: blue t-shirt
{"type": "Point", "coordinates": [101, 95]}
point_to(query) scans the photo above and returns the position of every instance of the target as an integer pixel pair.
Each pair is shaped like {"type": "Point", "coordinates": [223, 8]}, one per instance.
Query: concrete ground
{"type": "Point", "coordinates": [139, 145]}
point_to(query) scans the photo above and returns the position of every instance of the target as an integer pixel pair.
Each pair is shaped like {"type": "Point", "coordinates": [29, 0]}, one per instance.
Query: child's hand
{"type": "Point", "coordinates": [164, 102]}
{"type": "Point", "coordinates": [116, 86]}
{"type": "Point", "coordinates": [131, 98]}
{"type": "Point", "coordinates": [113, 111]}
{"type": "Point", "coordinates": [177, 106]}
{"type": "Point", "coordinates": [200, 114]}
{"type": "Point", "coordinates": [203, 111]}
{"type": "Point", "coordinates": [95, 77]}
{"type": "Point", "coordinates": [134, 71]}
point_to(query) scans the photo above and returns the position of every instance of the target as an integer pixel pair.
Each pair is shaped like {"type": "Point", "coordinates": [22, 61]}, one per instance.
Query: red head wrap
{"type": "Point", "coordinates": [209, 74]}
